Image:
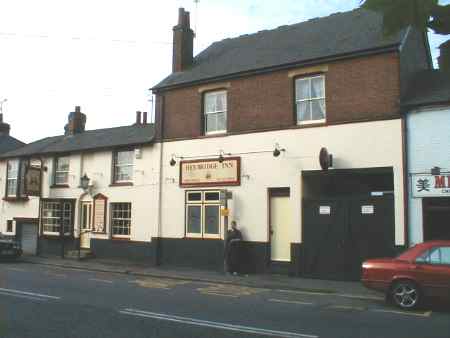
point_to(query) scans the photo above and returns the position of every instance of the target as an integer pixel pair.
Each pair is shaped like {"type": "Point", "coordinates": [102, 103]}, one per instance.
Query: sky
{"type": "Point", "coordinates": [105, 55]}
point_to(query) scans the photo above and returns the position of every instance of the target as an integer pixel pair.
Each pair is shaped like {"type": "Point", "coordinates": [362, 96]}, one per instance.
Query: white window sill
{"type": "Point", "coordinates": [309, 122]}
{"type": "Point", "coordinates": [218, 132]}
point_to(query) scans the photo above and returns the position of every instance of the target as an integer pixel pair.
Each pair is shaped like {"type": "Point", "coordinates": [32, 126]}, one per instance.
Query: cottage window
{"type": "Point", "coordinates": [203, 214]}
{"type": "Point", "coordinates": [9, 226]}
{"type": "Point", "coordinates": [123, 166]}
{"type": "Point", "coordinates": [57, 213]}
{"type": "Point", "coordinates": [121, 219]}
{"type": "Point", "coordinates": [62, 168]}
{"type": "Point", "coordinates": [215, 109]}
{"type": "Point", "coordinates": [12, 181]}
{"type": "Point", "coordinates": [310, 99]}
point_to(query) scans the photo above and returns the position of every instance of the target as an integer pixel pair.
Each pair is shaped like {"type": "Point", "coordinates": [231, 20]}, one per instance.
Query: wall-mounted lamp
{"type": "Point", "coordinates": [84, 182]}
{"type": "Point", "coordinates": [172, 161]}
{"type": "Point", "coordinates": [278, 150]}
{"type": "Point", "coordinates": [221, 158]}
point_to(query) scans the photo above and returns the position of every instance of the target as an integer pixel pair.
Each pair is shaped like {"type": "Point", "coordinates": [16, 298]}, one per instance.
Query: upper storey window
{"type": "Point", "coordinates": [12, 179]}
{"type": "Point", "coordinates": [123, 166]}
{"type": "Point", "coordinates": [215, 109]}
{"type": "Point", "coordinates": [310, 99]}
{"type": "Point", "coordinates": [62, 169]}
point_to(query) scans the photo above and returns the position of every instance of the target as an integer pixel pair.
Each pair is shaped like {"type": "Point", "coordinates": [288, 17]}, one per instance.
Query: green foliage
{"type": "Point", "coordinates": [422, 14]}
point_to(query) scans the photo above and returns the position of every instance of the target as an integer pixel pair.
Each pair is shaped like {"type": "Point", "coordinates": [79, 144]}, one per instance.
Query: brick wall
{"type": "Point", "coordinates": [359, 89]}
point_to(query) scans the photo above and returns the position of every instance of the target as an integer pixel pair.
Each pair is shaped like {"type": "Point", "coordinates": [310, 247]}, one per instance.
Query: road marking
{"type": "Point", "coordinates": [216, 325]}
{"type": "Point", "coordinates": [229, 290]}
{"type": "Point", "coordinates": [332, 294]}
{"type": "Point", "coordinates": [22, 296]}
{"type": "Point", "coordinates": [274, 300]}
{"type": "Point", "coordinates": [26, 294]}
{"type": "Point", "coordinates": [405, 313]}
{"type": "Point", "coordinates": [158, 283]}
{"type": "Point", "coordinates": [101, 280]}
{"type": "Point", "coordinates": [219, 294]}
{"type": "Point", "coordinates": [346, 307]}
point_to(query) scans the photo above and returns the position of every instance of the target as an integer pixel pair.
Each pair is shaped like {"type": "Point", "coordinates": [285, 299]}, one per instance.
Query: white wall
{"type": "Point", "coordinates": [357, 145]}
{"type": "Point", "coordinates": [97, 165]}
{"type": "Point", "coordinates": [428, 132]}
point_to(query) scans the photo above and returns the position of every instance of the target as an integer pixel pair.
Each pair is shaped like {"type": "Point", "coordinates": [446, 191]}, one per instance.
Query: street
{"type": "Point", "coordinates": [43, 301]}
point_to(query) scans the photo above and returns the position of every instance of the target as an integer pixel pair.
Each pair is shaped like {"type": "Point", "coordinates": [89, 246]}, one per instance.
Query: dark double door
{"type": "Point", "coordinates": [339, 234]}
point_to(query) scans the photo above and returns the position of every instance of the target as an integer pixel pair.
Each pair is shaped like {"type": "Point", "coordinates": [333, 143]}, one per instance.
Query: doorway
{"type": "Point", "coordinates": [86, 225]}
{"type": "Point", "coordinates": [280, 225]}
{"type": "Point", "coordinates": [436, 218]}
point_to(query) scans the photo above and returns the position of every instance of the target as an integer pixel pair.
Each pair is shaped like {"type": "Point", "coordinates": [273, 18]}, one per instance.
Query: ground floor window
{"type": "Point", "coordinates": [121, 219]}
{"type": "Point", "coordinates": [436, 215]}
{"type": "Point", "coordinates": [203, 214]}
{"type": "Point", "coordinates": [56, 214]}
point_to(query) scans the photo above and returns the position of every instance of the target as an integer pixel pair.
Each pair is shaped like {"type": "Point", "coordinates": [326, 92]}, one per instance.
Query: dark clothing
{"type": "Point", "coordinates": [232, 250]}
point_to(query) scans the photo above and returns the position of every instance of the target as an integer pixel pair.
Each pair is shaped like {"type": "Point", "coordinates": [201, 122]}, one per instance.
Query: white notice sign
{"type": "Point", "coordinates": [324, 210]}
{"type": "Point", "coordinates": [367, 209]}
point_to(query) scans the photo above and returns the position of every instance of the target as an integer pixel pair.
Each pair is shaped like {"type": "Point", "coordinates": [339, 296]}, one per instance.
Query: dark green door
{"type": "Point", "coordinates": [339, 234]}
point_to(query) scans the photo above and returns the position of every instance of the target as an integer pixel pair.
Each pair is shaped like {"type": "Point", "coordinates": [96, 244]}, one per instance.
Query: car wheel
{"type": "Point", "coordinates": [405, 294]}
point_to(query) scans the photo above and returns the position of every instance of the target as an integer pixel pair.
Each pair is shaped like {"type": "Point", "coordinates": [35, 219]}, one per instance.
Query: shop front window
{"type": "Point", "coordinates": [203, 214]}
{"type": "Point", "coordinates": [54, 214]}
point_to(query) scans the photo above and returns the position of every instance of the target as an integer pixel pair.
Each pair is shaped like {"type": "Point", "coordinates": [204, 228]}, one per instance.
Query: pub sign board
{"type": "Point", "coordinates": [430, 185]}
{"type": "Point", "coordinates": [210, 172]}
{"type": "Point", "coordinates": [33, 180]}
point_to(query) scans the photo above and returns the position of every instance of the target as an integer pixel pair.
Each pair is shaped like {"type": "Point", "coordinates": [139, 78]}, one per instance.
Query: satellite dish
{"type": "Point", "coordinates": [325, 159]}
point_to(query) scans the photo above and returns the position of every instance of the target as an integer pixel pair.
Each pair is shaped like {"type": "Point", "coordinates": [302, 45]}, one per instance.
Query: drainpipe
{"type": "Point", "coordinates": [161, 176]}
{"type": "Point", "coordinates": [78, 206]}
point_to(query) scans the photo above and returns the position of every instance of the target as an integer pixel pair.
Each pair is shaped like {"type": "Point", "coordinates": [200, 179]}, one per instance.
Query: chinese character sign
{"type": "Point", "coordinates": [430, 185]}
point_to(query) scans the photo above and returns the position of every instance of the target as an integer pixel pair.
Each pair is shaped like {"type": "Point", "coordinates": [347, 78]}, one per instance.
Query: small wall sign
{"type": "Point", "coordinates": [324, 210]}
{"type": "Point", "coordinates": [430, 185]}
{"type": "Point", "coordinates": [33, 181]}
{"type": "Point", "coordinates": [367, 209]}
{"type": "Point", "coordinates": [211, 172]}
{"type": "Point", "coordinates": [100, 205]}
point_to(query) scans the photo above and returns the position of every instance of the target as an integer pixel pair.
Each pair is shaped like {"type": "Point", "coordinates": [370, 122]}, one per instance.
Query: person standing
{"type": "Point", "coordinates": [232, 249]}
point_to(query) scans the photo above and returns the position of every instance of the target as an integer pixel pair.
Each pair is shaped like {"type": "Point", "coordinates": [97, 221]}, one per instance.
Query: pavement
{"type": "Point", "coordinates": [265, 281]}
{"type": "Point", "coordinates": [52, 301]}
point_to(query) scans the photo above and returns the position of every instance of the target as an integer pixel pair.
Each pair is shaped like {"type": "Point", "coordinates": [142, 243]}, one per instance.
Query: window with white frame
{"type": "Point", "coordinates": [54, 214]}
{"type": "Point", "coordinates": [203, 218]}
{"type": "Point", "coordinates": [12, 178]}
{"type": "Point", "coordinates": [215, 110]}
{"type": "Point", "coordinates": [62, 168]}
{"type": "Point", "coordinates": [121, 219]}
{"type": "Point", "coordinates": [123, 166]}
{"type": "Point", "coordinates": [310, 99]}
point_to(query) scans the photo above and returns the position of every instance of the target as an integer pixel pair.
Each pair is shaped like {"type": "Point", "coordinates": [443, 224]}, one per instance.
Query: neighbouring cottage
{"type": "Point", "coordinates": [88, 189]}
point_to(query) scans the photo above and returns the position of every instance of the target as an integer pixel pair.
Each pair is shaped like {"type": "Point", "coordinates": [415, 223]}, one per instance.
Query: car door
{"type": "Point", "coordinates": [433, 271]}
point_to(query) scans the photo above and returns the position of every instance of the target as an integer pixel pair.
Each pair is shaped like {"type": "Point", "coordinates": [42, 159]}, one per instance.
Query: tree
{"type": "Point", "coordinates": [422, 14]}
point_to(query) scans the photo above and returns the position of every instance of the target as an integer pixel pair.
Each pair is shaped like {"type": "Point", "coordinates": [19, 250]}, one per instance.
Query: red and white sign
{"type": "Point", "coordinates": [431, 185]}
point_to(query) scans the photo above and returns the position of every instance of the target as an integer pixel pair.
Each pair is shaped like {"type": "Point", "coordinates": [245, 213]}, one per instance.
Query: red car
{"type": "Point", "coordinates": [421, 272]}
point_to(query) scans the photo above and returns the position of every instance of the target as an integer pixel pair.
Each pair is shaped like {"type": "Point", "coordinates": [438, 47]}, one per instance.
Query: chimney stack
{"type": "Point", "coordinates": [183, 43]}
{"type": "Point", "coordinates": [4, 127]}
{"type": "Point", "coordinates": [144, 119]}
{"type": "Point", "coordinates": [76, 123]}
{"type": "Point", "coordinates": [138, 117]}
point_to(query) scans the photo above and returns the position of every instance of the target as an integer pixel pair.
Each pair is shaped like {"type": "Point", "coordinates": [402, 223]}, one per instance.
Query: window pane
{"type": "Point", "coordinates": [210, 103]}
{"type": "Point", "coordinates": [221, 121]}
{"type": "Point", "coordinates": [13, 169]}
{"type": "Point", "coordinates": [304, 111]}
{"type": "Point", "coordinates": [62, 164]}
{"type": "Point", "coordinates": [194, 196]}
{"type": "Point", "coordinates": [302, 89]}
{"type": "Point", "coordinates": [194, 219]}
{"type": "Point", "coordinates": [12, 187]}
{"type": "Point", "coordinates": [317, 90]}
{"type": "Point", "coordinates": [445, 255]}
{"type": "Point", "coordinates": [124, 157]}
{"type": "Point", "coordinates": [318, 109]}
{"type": "Point", "coordinates": [121, 219]}
{"type": "Point", "coordinates": [221, 101]}
{"type": "Point", "coordinates": [124, 173]}
{"type": "Point", "coordinates": [212, 196]}
{"type": "Point", "coordinates": [61, 177]}
{"type": "Point", "coordinates": [211, 122]}
{"type": "Point", "coordinates": [212, 219]}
